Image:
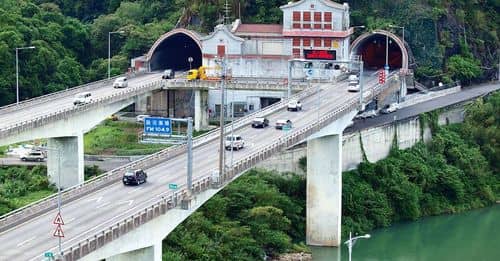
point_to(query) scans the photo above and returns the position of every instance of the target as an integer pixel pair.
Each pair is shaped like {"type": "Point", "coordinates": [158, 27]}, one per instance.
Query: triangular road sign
{"type": "Point", "coordinates": [58, 220]}
{"type": "Point", "coordinates": [59, 232]}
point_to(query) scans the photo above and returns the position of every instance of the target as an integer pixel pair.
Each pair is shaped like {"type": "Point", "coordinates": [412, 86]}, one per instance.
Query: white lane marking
{"type": "Point", "coordinates": [26, 241]}
{"type": "Point", "coordinates": [97, 200]}
{"type": "Point", "coordinates": [128, 202]}
{"type": "Point", "coordinates": [102, 205]}
{"type": "Point", "coordinates": [69, 220]}
{"type": "Point", "coordinates": [134, 190]}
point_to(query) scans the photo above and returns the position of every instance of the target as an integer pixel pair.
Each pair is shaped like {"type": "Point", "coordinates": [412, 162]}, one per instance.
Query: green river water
{"type": "Point", "coordinates": [473, 235]}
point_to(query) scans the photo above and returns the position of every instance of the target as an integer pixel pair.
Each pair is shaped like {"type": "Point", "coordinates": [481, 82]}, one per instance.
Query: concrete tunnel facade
{"type": "Point", "coordinates": [372, 47]}
{"type": "Point", "coordinates": [173, 49]}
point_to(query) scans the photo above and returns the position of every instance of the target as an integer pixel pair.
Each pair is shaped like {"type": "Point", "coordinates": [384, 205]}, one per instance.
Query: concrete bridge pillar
{"type": "Point", "coordinates": [159, 103]}
{"type": "Point", "coordinates": [65, 160]}
{"type": "Point", "coordinates": [200, 109]}
{"type": "Point", "coordinates": [152, 253]}
{"type": "Point", "coordinates": [141, 104]}
{"type": "Point", "coordinates": [324, 184]}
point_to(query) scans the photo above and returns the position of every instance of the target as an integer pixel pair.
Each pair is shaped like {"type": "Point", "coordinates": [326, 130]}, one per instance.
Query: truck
{"type": "Point", "coordinates": [207, 73]}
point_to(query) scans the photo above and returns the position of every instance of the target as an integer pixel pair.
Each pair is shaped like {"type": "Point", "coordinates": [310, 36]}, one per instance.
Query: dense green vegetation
{"type": "Point", "coordinates": [20, 186]}
{"type": "Point", "coordinates": [71, 36]}
{"type": "Point", "coordinates": [259, 214]}
{"type": "Point", "coordinates": [264, 213]}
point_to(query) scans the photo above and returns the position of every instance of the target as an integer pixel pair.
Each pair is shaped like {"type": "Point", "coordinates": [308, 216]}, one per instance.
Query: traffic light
{"type": "Point", "coordinates": [381, 77]}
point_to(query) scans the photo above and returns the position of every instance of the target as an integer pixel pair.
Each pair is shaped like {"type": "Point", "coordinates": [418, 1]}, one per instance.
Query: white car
{"type": "Point", "coordinates": [389, 108]}
{"type": "Point", "coordinates": [82, 98]}
{"type": "Point", "coordinates": [141, 117]}
{"type": "Point", "coordinates": [120, 82]}
{"type": "Point", "coordinates": [282, 123]}
{"type": "Point", "coordinates": [353, 87]}
{"type": "Point", "coordinates": [234, 142]}
{"type": "Point", "coordinates": [366, 114]}
{"type": "Point", "coordinates": [294, 105]}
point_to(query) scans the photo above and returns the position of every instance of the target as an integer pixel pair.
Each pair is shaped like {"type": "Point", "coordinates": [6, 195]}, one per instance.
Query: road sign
{"type": "Point", "coordinates": [158, 125]}
{"type": "Point", "coordinates": [190, 59]}
{"type": "Point", "coordinates": [286, 127]}
{"type": "Point", "coordinates": [309, 72]}
{"type": "Point", "coordinates": [59, 232]}
{"type": "Point", "coordinates": [58, 220]}
{"type": "Point", "coordinates": [48, 254]}
{"type": "Point", "coordinates": [172, 186]}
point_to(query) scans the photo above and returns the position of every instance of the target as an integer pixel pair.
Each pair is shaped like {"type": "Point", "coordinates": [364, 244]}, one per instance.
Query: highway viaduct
{"type": "Point", "coordinates": [102, 211]}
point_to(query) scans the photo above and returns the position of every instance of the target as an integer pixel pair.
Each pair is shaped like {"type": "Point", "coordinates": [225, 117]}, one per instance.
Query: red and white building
{"type": "Point", "coordinates": [311, 29]}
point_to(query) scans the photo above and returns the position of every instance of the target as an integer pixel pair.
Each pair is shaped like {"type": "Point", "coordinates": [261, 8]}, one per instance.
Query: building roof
{"type": "Point", "coordinates": [259, 29]}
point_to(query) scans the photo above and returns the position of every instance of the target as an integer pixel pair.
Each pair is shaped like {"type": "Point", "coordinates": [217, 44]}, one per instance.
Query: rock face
{"type": "Point", "coordinates": [294, 257]}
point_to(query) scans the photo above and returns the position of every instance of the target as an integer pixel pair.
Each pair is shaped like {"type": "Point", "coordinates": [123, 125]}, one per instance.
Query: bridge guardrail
{"type": "Point", "coordinates": [69, 194]}
{"type": "Point", "coordinates": [161, 206]}
{"type": "Point", "coordinates": [236, 84]}
{"type": "Point", "coordinates": [65, 92]}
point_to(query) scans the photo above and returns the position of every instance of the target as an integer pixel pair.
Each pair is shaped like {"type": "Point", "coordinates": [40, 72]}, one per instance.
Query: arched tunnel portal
{"type": "Point", "coordinates": [173, 49]}
{"type": "Point", "coordinates": [372, 47]}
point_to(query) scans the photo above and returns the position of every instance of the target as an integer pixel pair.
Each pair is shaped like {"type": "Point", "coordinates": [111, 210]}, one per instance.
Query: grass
{"type": "Point", "coordinates": [22, 201]}
{"type": "Point", "coordinates": [121, 138]}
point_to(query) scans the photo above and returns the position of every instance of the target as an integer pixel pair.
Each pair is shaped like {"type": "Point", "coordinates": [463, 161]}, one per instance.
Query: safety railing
{"type": "Point", "coordinates": [61, 93]}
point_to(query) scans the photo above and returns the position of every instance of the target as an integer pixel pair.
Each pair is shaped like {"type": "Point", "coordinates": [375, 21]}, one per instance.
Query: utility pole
{"type": "Point", "coordinates": [190, 155]}
{"type": "Point", "coordinates": [221, 145]}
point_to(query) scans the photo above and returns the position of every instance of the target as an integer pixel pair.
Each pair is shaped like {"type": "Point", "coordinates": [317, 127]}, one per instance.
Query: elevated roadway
{"type": "Point", "coordinates": [88, 214]}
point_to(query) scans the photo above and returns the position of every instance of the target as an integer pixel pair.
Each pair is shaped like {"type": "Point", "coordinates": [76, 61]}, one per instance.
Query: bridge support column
{"type": "Point", "coordinates": [159, 103]}
{"type": "Point", "coordinates": [200, 110]}
{"type": "Point", "coordinates": [152, 253]}
{"type": "Point", "coordinates": [324, 184]}
{"type": "Point", "coordinates": [141, 104]}
{"type": "Point", "coordinates": [65, 159]}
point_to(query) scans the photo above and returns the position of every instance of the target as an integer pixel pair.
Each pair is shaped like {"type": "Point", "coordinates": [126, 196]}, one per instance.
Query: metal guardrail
{"type": "Point", "coordinates": [236, 84]}
{"type": "Point", "coordinates": [161, 206]}
{"type": "Point", "coordinates": [61, 93]}
{"type": "Point", "coordinates": [20, 215]}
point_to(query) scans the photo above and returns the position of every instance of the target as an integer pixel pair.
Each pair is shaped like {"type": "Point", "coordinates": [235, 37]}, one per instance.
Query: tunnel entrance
{"type": "Point", "coordinates": [173, 49]}
{"type": "Point", "coordinates": [372, 48]}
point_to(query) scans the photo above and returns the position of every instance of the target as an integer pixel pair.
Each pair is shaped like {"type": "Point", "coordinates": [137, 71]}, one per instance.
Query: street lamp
{"type": "Point", "coordinates": [352, 240]}
{"type": "Point", "coordinates": [109, 50]}
{"type": "Point", "coordinates": [17, 70]}
{"type": "Point", "coordinates": [58, 187]}
{"type": "Point", "coordinates": [401, 27]}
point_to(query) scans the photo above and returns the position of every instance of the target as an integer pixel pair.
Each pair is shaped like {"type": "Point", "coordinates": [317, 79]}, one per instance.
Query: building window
{"type": "Point", "coordinates": [317, 26]}
{"type": "Point", "coordinates": [317, 17]}
{"type": "Point", "coordinates": [306, 26]}
{"type": "Point", "coordinates": [296, 52]}
{"type": "Point", "coordinates": [328, 26]}
{"type": "Point", "coordinates": [327, 42]}
{"type": "Point", "coordinates": [306, 42]}
{"type": "Point", "coordinates": [221, 50]}
{"type": "Point", "coordinates": [296, 41]}
{"type": "Point", "coordinates": [307, 16]}
{"type": "Point", "coordinates": [296, 16]}
{"type": "Point", "coordinates": [296, 25]}
{"type": "Point", "coordinates": [328, 16]}
{"type": "Point", "coordinates": [317, 42]}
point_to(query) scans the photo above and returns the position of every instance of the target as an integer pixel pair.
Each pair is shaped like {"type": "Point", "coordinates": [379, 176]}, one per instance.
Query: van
{"type": "Point", "coordinates": [120, 82]}
{"type": "Point", "coordinates": [82, 98]}
{"type": "Point", "coordinates": [168, 74]}
{"type": "Point", "coordinates": [234, 142]}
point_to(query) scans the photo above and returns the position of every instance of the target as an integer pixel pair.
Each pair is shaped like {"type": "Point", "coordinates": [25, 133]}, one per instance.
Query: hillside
{"type": "Point", "coordinates": [451, 40]}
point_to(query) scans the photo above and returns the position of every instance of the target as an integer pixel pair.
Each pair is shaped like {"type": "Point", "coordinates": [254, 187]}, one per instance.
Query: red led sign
{"type": "Point", "coordinates": [320, 54]}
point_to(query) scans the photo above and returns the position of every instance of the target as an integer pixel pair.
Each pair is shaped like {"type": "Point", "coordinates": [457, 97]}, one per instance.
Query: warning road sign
{"type": "Point", "coordinates": [58, 220]}
{"type": "Point", "coordinates": [59, 232]}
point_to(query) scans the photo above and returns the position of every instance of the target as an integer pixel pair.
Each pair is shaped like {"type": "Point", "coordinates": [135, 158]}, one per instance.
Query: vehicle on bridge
{"type": "Point", "coordinates": [389, 108]}
{"type": "Point", "coordinates": [82, 98]}
{"type": "Point", "coordinates": [207, 73]}
{"type": "Point", "coordinates": [260, 122]}
{"type": "Point", "coordinates": [136, 177]}
{"type": "Point", "coordinates": [294, 105]}
{"type": "Point", "coordinates": [353, 87]}
{"type": "Point", "coordinates": [168, 74]}
{"type": "Point", "coordinates": [33, 156]}
{"type": "Point", "coordinates": [280, 124]}
{"type": "Point", "coordinates": [234, 142]}
{"type": "Point", "coordinates": [366, 114]}
{"type": "Point", "coordinates": [120, 82]}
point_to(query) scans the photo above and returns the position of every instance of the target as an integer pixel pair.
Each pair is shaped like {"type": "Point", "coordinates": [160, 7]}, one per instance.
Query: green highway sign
{"type": "Point", "coordinates": [172, 186]}
{"type": "Point", "coordinates": [286, 127]}
{"type": "Point", "coordinates": [48, 254]}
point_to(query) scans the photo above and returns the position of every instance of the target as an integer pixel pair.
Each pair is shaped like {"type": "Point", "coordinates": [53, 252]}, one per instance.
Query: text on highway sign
{"type": "Point", "coordinates": [172, 186]}
{"type": "Point", "coordinates": [158, 125]}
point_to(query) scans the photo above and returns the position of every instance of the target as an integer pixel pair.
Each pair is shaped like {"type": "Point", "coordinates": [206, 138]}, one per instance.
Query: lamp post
{"type": "Point", "coordinates": [109, 50]}
{"type": "Point", "coordinates": [17, 70]}
{"type": "Point", "coordinates": [352, 240]}
{"type": "Point", "coordinates": [58, 188]}
{"type": "Point", "coordinates": [386, 67]}
{"type": "Point", "coordinates": [401, 27]}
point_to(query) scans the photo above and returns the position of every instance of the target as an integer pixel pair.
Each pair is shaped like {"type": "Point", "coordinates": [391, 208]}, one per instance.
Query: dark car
{"type": "Point", "coordinates": [260, 123]}
{"type": "Point", "coordinates": [134, 177]}
{"type": "Point", "coordinates": [168, 74]}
